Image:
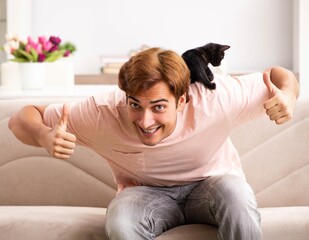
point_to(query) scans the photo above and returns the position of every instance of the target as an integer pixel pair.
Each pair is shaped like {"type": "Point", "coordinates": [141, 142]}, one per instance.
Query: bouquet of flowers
{"type": "Point", "coordinates": [43, 50]}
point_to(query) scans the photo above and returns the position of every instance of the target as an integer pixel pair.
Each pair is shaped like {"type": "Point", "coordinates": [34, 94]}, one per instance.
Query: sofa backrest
{"type": "Point", "coordinates": [29, 176]}
{"type": "Point", "coordinates": [275, 159]}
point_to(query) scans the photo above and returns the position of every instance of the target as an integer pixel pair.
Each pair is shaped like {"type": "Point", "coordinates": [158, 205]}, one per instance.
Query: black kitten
{"type": "Point", "coordinates": [197, 60]}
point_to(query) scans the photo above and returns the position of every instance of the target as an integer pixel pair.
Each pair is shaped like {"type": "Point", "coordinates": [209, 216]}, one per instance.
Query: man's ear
{"type": "Point", "coordinates": [181, 102]}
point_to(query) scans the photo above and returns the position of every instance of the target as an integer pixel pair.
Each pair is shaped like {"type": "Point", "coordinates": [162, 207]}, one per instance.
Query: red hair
{"type": "Point", "coordinates": [154, 65]}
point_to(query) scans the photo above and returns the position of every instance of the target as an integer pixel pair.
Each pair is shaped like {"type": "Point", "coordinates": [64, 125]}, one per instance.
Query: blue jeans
{"type": "Point", "coordinates": [144, 212]}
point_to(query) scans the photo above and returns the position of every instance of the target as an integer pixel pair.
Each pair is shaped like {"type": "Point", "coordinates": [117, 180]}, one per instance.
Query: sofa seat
{"type": "Point", "coordinates": [52, 222]}
{"type": "Point", "coordinates": [87, 223]}
{"type": "Point", "coordinates": [285, 223]}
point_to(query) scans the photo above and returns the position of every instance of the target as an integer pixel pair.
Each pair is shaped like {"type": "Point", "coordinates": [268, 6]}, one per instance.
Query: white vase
{"type": "Point", "coordinates": [32, 75]}
{"type": "Point", "coordinates": [60, 73]}
{"type": "Point", "coordinates": [10, 75]}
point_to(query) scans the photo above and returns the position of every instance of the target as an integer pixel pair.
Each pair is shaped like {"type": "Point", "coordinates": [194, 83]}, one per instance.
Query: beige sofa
{"type": "Point", "coordinates": [51, 199]}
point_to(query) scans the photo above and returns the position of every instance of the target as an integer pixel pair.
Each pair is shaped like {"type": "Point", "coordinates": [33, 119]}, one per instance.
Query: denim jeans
{"type": "Point", "coordinates": [144, 212]}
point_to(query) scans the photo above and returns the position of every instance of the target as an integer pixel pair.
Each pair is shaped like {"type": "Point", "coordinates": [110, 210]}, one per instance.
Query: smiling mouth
{"type": "Point", "coordinates": [150, 131]}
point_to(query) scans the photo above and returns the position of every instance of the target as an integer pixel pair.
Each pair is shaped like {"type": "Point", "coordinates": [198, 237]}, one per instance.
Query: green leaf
{"type": "Point", "coordinates": [19, 60]}
{"type": "Point", "coordinates": [25, 54]}
{"type": "Point", "coordinates": [34, 54]}
{"type": "Point", "coordinates": [54, 56]}
{"type": "Point", "coordinates": [22, 46]}
{"type": "Point", "coordinates": [17, 54]}
{"type": "Point", "coordinates": [68, 46]}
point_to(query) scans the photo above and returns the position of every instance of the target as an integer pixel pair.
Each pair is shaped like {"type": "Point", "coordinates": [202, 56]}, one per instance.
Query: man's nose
{"type": "Point", "coordinates": [147, 119]}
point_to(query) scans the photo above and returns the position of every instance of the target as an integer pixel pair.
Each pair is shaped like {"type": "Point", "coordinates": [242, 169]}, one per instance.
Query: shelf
{"type": "Point", "coordinates": [97, 79]}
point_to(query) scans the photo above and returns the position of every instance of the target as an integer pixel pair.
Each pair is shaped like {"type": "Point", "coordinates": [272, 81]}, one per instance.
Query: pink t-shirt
{"type": "Point", "coordinates": [199, 146]}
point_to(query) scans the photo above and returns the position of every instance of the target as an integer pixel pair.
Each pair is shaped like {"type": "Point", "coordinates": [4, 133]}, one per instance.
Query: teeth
{"type": "Point", "coordinates": [150, 130]}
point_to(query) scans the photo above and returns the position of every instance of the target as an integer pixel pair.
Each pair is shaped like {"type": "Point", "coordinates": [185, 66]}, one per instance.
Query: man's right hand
{"type": "Point", "coordinates": [59, 143]}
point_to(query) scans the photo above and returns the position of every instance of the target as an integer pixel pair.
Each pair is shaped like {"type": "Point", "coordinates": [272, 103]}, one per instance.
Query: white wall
{"type": "Point", "coordinates": [2, 28]}
{"type": "Point", "coordinates": [303, 47]}
{"type": "Point", "coordinates": [259, 31]}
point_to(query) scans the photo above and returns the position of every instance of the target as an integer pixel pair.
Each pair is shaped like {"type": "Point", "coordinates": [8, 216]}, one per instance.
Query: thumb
{"type": "Point", "coordinates": [271, 87]}
{"type": "Point", "coordinates": [63, 121]}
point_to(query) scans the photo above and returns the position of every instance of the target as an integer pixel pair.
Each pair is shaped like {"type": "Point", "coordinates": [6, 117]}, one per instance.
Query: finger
{"type": "Point", "coordinates": [66, 141]}
{"type": "Point", "coordinates": [282, 120]}
{"type": "Point", "coordinates": [276, 116]}
{"type": "Point", "coordinates": [272, 91]}
{"type": "Point", "coordinates": [272, 110]}
{"type": "Point", "coordinates": [69, 137]}
{"type": "Point", "coordinates": [279, 120]}
{"type": "Point", "coordinates": [268, 83]}
{"type": "Point", "coordinates": [66, 145]}
{"type": "Point", "coordinates": [61, 153]}
{"type": "Point", "coordinates": [63, 121]}
{"type": "Point", "coordinates": [64, 150]}
{"type": "Point", "coordinates": [62, 156]}
{"type": "Point", "coordinates": [271, 103]}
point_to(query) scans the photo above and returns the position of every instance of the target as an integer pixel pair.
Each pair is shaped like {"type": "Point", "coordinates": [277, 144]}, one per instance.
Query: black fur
{"type": "Point", "coordinates": [197, 60]}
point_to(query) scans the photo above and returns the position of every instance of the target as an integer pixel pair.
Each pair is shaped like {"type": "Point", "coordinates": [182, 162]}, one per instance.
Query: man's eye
{"type": "Point", "coordinates": [159, 107]}
{"type": "Point", "coordinates": [134, 105]}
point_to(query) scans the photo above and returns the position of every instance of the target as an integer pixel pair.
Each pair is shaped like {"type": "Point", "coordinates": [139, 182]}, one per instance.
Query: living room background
{"type": "Point", "coordinates": [260, 33]}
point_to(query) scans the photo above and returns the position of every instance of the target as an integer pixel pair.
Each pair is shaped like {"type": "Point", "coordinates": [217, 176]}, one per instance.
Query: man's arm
{"type": "Point", "coordinates": [27, 125]}
{"type": "Point", "coordinates": [283, 92]}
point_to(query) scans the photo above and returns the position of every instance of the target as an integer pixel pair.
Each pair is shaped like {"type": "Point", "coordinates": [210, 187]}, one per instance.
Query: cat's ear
{"type": "Point", "coordinates": [224, 47]}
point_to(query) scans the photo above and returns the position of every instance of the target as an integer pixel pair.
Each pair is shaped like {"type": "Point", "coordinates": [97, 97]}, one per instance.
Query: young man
{"type": "Point", "coordinates": [167, 143]}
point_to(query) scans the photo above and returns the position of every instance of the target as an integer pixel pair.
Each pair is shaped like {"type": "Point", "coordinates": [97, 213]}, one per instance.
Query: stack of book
{"type": "Point", "coordinates": [112, 64]}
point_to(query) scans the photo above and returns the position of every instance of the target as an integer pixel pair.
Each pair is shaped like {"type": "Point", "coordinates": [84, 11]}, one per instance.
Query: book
{"type": "Point", "coordinates": [113, 59]}
{"type": "Point", "coordinates": [111, 64]}
{"type": "Point", "coordinates": [110, 70]}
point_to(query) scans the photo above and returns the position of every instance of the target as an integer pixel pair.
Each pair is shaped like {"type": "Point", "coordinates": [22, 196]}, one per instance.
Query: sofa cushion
{"type": "Point", "coordinates": [284, 165]}
{"type": "Point", "coordinates": [281, 223]}
{"type": "Point", "coordinates": [275, 158]}
{"type": "Point", "coordinates": [38, 179]}
{"type": "Point", "coordinates": [285, 223]}
{"type": "Point", "coordinates": [52, 223]}
{"type": "Point", "coordinates": [192, 231]}
{"type": "Point", "coordinates": [85, 223]}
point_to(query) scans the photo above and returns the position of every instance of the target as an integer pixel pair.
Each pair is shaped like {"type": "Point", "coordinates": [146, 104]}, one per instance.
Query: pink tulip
{"type": "Point", "coordinates": [30, 41]}
{"type": "Point", "coordinates": [67, 53]}
{"type": "Point", "coordinates": [42, 40]}
{"type": "Point", "coordinates": [47, 46]}
{"type": "Point", "coordinates": [38, 48]}
{"type": "Point", "coordinates": [55, 40]}
{"type": "Point", "coordinates": [41, 58]}
{"type": "Point", "coordinates": [28, 47]}
{"type": "Point", "coordinates": [54, 48]}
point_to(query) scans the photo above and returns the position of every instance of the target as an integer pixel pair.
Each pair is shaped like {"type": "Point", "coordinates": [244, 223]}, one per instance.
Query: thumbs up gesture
{"type": "Point", "coordinates": [280, 105]}
{"type": "Point", "coordinates": [61, 144]}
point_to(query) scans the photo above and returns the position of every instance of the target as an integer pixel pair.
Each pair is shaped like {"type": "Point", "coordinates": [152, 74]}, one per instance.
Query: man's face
{"type": "Point", "coordinates": [154, 113]}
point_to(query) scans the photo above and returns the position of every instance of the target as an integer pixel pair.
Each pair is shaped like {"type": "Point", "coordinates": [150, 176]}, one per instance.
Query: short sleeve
{"type": "Point", "coordinates": [82, 120]}
{"type": "Point", "coordinates": [243, 97]}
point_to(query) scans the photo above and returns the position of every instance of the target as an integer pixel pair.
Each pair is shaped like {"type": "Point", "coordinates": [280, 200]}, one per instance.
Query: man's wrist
{"type": "Point", "coordinates": [43, 131]}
